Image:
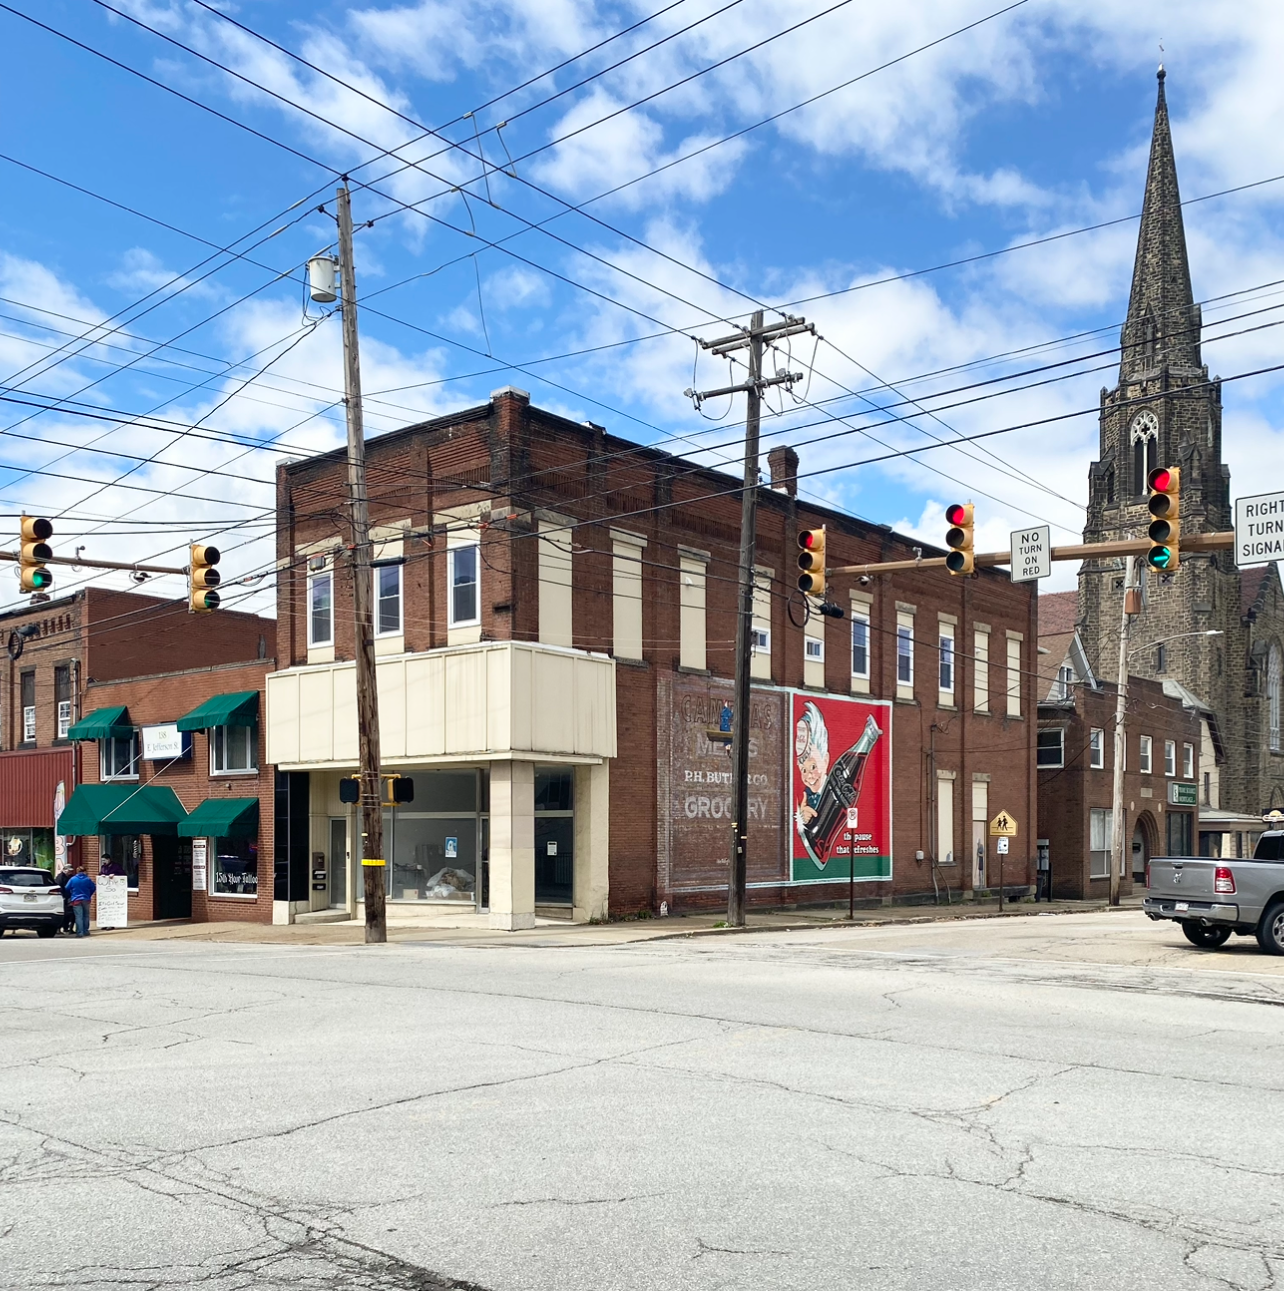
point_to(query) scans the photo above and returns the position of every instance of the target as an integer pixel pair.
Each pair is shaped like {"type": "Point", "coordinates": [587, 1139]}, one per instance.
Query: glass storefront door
{"type": "Point", "coordinates": [554, 835]}
{"type": "Point", "coordinates": [337, 862]}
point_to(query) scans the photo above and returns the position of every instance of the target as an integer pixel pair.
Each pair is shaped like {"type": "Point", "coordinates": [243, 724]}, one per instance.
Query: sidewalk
{"type": "Point", "coordinates": [471, 930]}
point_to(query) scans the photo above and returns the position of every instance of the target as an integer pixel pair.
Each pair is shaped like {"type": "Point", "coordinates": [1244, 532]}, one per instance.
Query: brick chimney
{"type": "Point", "coordinates": [783, 462]}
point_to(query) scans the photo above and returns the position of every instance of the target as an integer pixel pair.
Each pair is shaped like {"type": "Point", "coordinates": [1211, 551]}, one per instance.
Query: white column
{"type": "Point", "coordinates": [592, 841]}
{"type": "Point", "coordinates": [512, 845]}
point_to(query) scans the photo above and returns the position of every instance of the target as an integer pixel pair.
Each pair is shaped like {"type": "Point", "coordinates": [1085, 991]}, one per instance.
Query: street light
{"type": "Point", "coordinates": [1150, 645]}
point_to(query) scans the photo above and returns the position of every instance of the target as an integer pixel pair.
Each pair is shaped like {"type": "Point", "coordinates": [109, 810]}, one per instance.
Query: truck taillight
{"type": "Point", "coordinates": [1147, 874]}
{"type": "Point", "coordinates": [1223, 879]}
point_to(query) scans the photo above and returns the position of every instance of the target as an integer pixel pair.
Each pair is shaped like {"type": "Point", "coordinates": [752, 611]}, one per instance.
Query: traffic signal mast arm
{"type": "Point", "coordinates": [100, 564]}
{"type": "Point", "coordinates": [1083, 551]}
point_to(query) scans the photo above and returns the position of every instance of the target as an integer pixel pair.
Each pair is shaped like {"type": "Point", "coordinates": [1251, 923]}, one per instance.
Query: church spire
{"type": "Point", "coordinates": [1163, 324]}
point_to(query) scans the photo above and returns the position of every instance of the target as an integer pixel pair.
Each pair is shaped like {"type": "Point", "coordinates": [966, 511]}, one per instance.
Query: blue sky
{"type": "Point", "coordinates": [1035, 122]}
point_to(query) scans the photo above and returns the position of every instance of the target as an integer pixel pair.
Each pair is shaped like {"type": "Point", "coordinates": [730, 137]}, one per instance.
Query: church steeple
{"type": "Point", "coordinates": [1163, 324]}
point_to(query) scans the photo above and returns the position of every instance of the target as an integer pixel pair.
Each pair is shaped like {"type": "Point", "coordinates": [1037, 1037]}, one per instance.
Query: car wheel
{"type": "Point", "coordinates": [1270, 932]}
{"type": "Point", "coordinates": [46, 932]}
{"type": "Point", "coordinates": [1200, 934]}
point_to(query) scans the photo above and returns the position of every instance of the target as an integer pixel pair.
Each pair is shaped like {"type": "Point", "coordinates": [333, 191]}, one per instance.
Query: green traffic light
{"type": "Point", "coordinates": [41, 578]}
{"type": "Point", "coordinates": [1159, 557]}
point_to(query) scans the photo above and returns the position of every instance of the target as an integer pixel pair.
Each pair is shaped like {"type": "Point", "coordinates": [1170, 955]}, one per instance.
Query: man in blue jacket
{"type": "Point", "coordinates": [80, 888]}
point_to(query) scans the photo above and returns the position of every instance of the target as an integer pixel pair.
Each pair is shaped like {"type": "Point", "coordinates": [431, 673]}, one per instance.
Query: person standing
{"type": "Point", "coordinates": [80, 890]}
{"type": "Point", "coordinates": [68, 921]}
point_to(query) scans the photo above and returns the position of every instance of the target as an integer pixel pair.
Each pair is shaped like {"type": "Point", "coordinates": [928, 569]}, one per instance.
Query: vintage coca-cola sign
{"type": "Point", "coordinates": [841, 806]}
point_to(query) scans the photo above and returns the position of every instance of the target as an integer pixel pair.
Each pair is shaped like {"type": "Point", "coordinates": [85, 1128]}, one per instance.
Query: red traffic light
{"type": "Point", "coordinates": [956, 514]}
{"type": "Point", "coordinates": [807, 539]}
{"type": "Point", "coordinates": [1161, 479]}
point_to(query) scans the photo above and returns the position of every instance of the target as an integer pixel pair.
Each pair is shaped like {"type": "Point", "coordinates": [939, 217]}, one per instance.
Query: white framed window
{"type": "Point", "coordinates": [1051, 749]}
{"type": "Point", "coordinates": [233, 749]}
{"type": "Point", "coordinates": [1096, 748]}
{"type": "Point", "coordinates": [1065, 680]}
{"type": "Point", "coordinates": [905, 655]}
{"type": "Point", "coordinates": [29, 723]}
{"type": "Point", "coordinates": [814, 650]}
{"type": "Point", "coordinates": [1170, 757]}
{"type": "Point", "coordinates": [1100, 833]}
{"type": "Point", "coordinates": [118, 757]}
{"type": "Point", "coordinates": [692, 643]}
{"type": "Point", "coordinates": [626, 596]}
{"type": "Point", "coordinates": [1014, 674]}
{"type": "Point", "coordinates": [1188, 761]}
{"type": "Point", "coordinates": [64, 718]}
{"type": "Point", "coordinates": [981, 670]}
{"type": "Point", "coordinates": [860, 644]}
{"type": "Point", "coordinates": [760, 640]}
{"type": "Point", "coordinates": [321, 609]}
{"type": "Point", "coordinates": [463, 573]}
{"type": "Point", "coordinates": [946, 678]}
{"type": "Point", "coordinates": [387, 600]}
{"type": "Point", "coordinates": [1145, 754]}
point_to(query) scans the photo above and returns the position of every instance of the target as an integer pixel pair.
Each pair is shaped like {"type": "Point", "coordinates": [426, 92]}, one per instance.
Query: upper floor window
{"type": "Point", "coordinates": [321, 609]}
{"type": "Point", "coordinates": [387, 589]}
{"type": "Point", "coordinates": [860, 644]}
{"type": "Point", "coordinates": [760, 639]}
{"type": "Point", "coordinates": [1170, 757]}
{"type": "Point", "coordinates": [946, 680]}
{"type": "Point", "coordinates": [28, 707]}
{"type": "Point", "coordinates": [1051, 747]}
{"type": "Point", "coordinates": [814, 650]}
{"type": "Point", "coordinates": [465, 603]}
{"type": "Point", "coordinates": [904, 654]}
{"type": "Point", "coordinates": [1144, 754]}
{"type": "Point", "coordinates": [118, 757]}
{"type": "Point", "coordinates": [1188, 761]}
{"type": "Point", "coordinates": [1065, 681]}
{"type": "Point", "coordinates": [1161, 658]}
{"type": "Point", "coordinates": [1096, 748]}
{"type": "Point", "coordinates": [233, 748]}
{"type": "Point", "coordinates": [1144, 436]}
{"type": "Point", "coordinates": [62, 699]}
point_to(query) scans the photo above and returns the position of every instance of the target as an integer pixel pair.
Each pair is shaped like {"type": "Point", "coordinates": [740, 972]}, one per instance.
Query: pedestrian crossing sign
{"type": "Point", "coordinates": [1003, 826]}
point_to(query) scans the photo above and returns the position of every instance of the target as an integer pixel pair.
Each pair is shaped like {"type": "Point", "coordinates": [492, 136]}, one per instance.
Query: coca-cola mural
{"type": "Point", "coordinates": [841, 804]}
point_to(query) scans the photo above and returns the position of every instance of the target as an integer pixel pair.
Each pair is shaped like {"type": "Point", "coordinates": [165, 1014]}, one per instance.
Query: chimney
{"type": "Point", "coordinates": [784, 470]}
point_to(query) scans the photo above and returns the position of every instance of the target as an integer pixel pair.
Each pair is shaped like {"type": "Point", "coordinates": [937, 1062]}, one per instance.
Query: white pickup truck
{"type": "Point", "coordinates": [1212, 897]}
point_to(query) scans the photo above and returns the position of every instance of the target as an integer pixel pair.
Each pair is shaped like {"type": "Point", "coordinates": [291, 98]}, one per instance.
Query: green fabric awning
{"type": "Point", "coordinates": [222, 818]}
{"type": "Point", "coordinates": [121, 809]}
{"type": "Point", "coordinates": [103, 724]}
{"type": "Point", "coordinates": [240, 708]}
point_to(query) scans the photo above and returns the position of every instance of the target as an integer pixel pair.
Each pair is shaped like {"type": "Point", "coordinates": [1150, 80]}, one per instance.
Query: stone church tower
{"type": "Point", "coordinates": [1166, 411]}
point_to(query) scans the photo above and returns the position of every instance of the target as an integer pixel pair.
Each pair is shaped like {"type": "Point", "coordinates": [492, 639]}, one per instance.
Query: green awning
{"type": "Point", "coordinates": [121, 809]}
{"type": "Point", "coordinates": [240, 708]}
{"type": "Point", "coordinates": [103, 724]}
{"type": "Point", "coordinates": [222, 818]}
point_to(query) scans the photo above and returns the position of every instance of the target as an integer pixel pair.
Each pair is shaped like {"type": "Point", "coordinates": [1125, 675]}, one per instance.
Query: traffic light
{"type": "Point", "coordinates": [811, 561]}
{"type": "Point", "coordinates": [202, 579]}
{"type": "Point", "coordinates": [36, 550]}
{"type": "Point", "coordinates": [397, 789]}
{"type": "Point", "coordinates": [959, 539]}
{"type": "Point", "coordinates": [1165, 529]}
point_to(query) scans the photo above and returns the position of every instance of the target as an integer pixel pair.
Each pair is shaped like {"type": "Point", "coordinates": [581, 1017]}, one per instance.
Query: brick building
{"type": "Point", "coordinates": [57, 648]}
{"type": "Point", "coordinates": [1165, 740]}
{"type": "Point", "coordinates": [1216, 633]}
{"type": "Point", "coordinates": [555, 621]}
{"type": "Point", "coordinates": [176, 790]}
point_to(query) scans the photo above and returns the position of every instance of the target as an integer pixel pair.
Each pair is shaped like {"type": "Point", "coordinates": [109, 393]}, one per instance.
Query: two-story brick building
{"type": "Point", "coordinates": [55, 650]}
{"type": "Point", "coordinates": [555, 621]}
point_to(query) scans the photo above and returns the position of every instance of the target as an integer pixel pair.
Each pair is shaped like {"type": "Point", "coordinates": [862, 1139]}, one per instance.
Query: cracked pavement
{"type": "Point", "coordinates": [1056, 1103]}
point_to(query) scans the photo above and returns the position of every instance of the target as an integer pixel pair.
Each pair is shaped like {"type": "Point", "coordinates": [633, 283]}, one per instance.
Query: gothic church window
{"type": "Point", "coordinates": [1144, 436]}
{"type": "Point", "coordinates": [1273, 698]}
{"type": "Point", "coordinates": [1148, 339]}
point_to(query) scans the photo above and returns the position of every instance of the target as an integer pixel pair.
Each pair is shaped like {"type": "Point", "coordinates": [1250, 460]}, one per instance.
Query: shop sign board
{"type": "Point", "coordinates": [200, 863]}
{"type": "Point", "coordinates": [164, 743]}
{"type": "Point", "coordinates": [1259, 529]}
{"type": "Point", "coordinates": [113, 901]}
{"type": "Point", "coordinates": [841, 799]}
{"type": "Point", "coordinates": [1183, 795]}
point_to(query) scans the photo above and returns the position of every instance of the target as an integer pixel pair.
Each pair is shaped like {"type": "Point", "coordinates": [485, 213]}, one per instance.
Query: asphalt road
{"type": "Point", "coordinates": [1076, 1101]}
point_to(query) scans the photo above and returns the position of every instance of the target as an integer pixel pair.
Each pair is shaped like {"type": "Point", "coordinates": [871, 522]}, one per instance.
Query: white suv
{"type": "Point", "coordinates": [29, 898]}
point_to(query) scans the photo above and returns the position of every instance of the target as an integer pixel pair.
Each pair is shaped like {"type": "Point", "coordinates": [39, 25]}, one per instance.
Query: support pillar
{"type": "Point", "coordinates": [592, 841]}
{"type": "Point", "coordinates": [512, 845]}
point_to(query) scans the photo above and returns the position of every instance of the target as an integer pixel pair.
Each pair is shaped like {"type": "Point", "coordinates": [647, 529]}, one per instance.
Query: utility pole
{"type": "Point", "coordinates": [753, 340]}
{"type": "Point", "coordinates": [373, 867]}
{"type": "Point", "coordinates": [1130, 607]}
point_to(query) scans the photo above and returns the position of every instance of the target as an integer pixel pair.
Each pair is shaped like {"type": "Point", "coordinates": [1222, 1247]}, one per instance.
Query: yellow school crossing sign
{"type": "Point", "coordinates": [1003, 826]}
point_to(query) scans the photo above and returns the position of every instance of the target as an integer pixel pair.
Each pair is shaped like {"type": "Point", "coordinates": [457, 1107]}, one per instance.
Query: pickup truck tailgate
{"type": "Point", "coordinates": [1188, 878]}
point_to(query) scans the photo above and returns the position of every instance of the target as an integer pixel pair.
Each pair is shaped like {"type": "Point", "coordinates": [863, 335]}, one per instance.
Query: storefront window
{"type": "Point", "coordinates": [554, 835]}
{"type": "Point", "coordinates": [431, 844]}
{"type": "Point", "coordinates": [120, 758]}
{"type": "Point", "coordinates": [236, 867]}
{"type": "Point", "coordinates": [28, 847]}
{"type": "Point", "coordinates": [233, 748]}
{"type": "Point", "coordinates": [122, 853]}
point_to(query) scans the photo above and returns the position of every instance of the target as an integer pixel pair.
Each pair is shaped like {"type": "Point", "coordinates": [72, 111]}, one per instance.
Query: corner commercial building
{"type": "Point", "coordinates": [555, 619]}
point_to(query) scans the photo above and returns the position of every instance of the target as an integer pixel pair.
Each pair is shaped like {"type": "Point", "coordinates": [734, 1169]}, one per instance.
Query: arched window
{"type": "Point", "coordinates": [1273, 699]}
{"type": "Point", "coordinates": [1148, 334]}
{"type": "Point", "coordinates": [1144, 436]}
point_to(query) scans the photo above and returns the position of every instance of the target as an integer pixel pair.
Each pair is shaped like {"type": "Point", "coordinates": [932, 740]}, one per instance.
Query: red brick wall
{"type": "Point", "coordinates": [165, 698]}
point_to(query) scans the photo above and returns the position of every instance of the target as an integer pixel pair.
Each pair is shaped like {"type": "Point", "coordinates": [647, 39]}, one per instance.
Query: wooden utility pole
{"type": "Point", "coordinates": [753, 340]}
{"type": "Point", "coordinates": [373, 866]}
